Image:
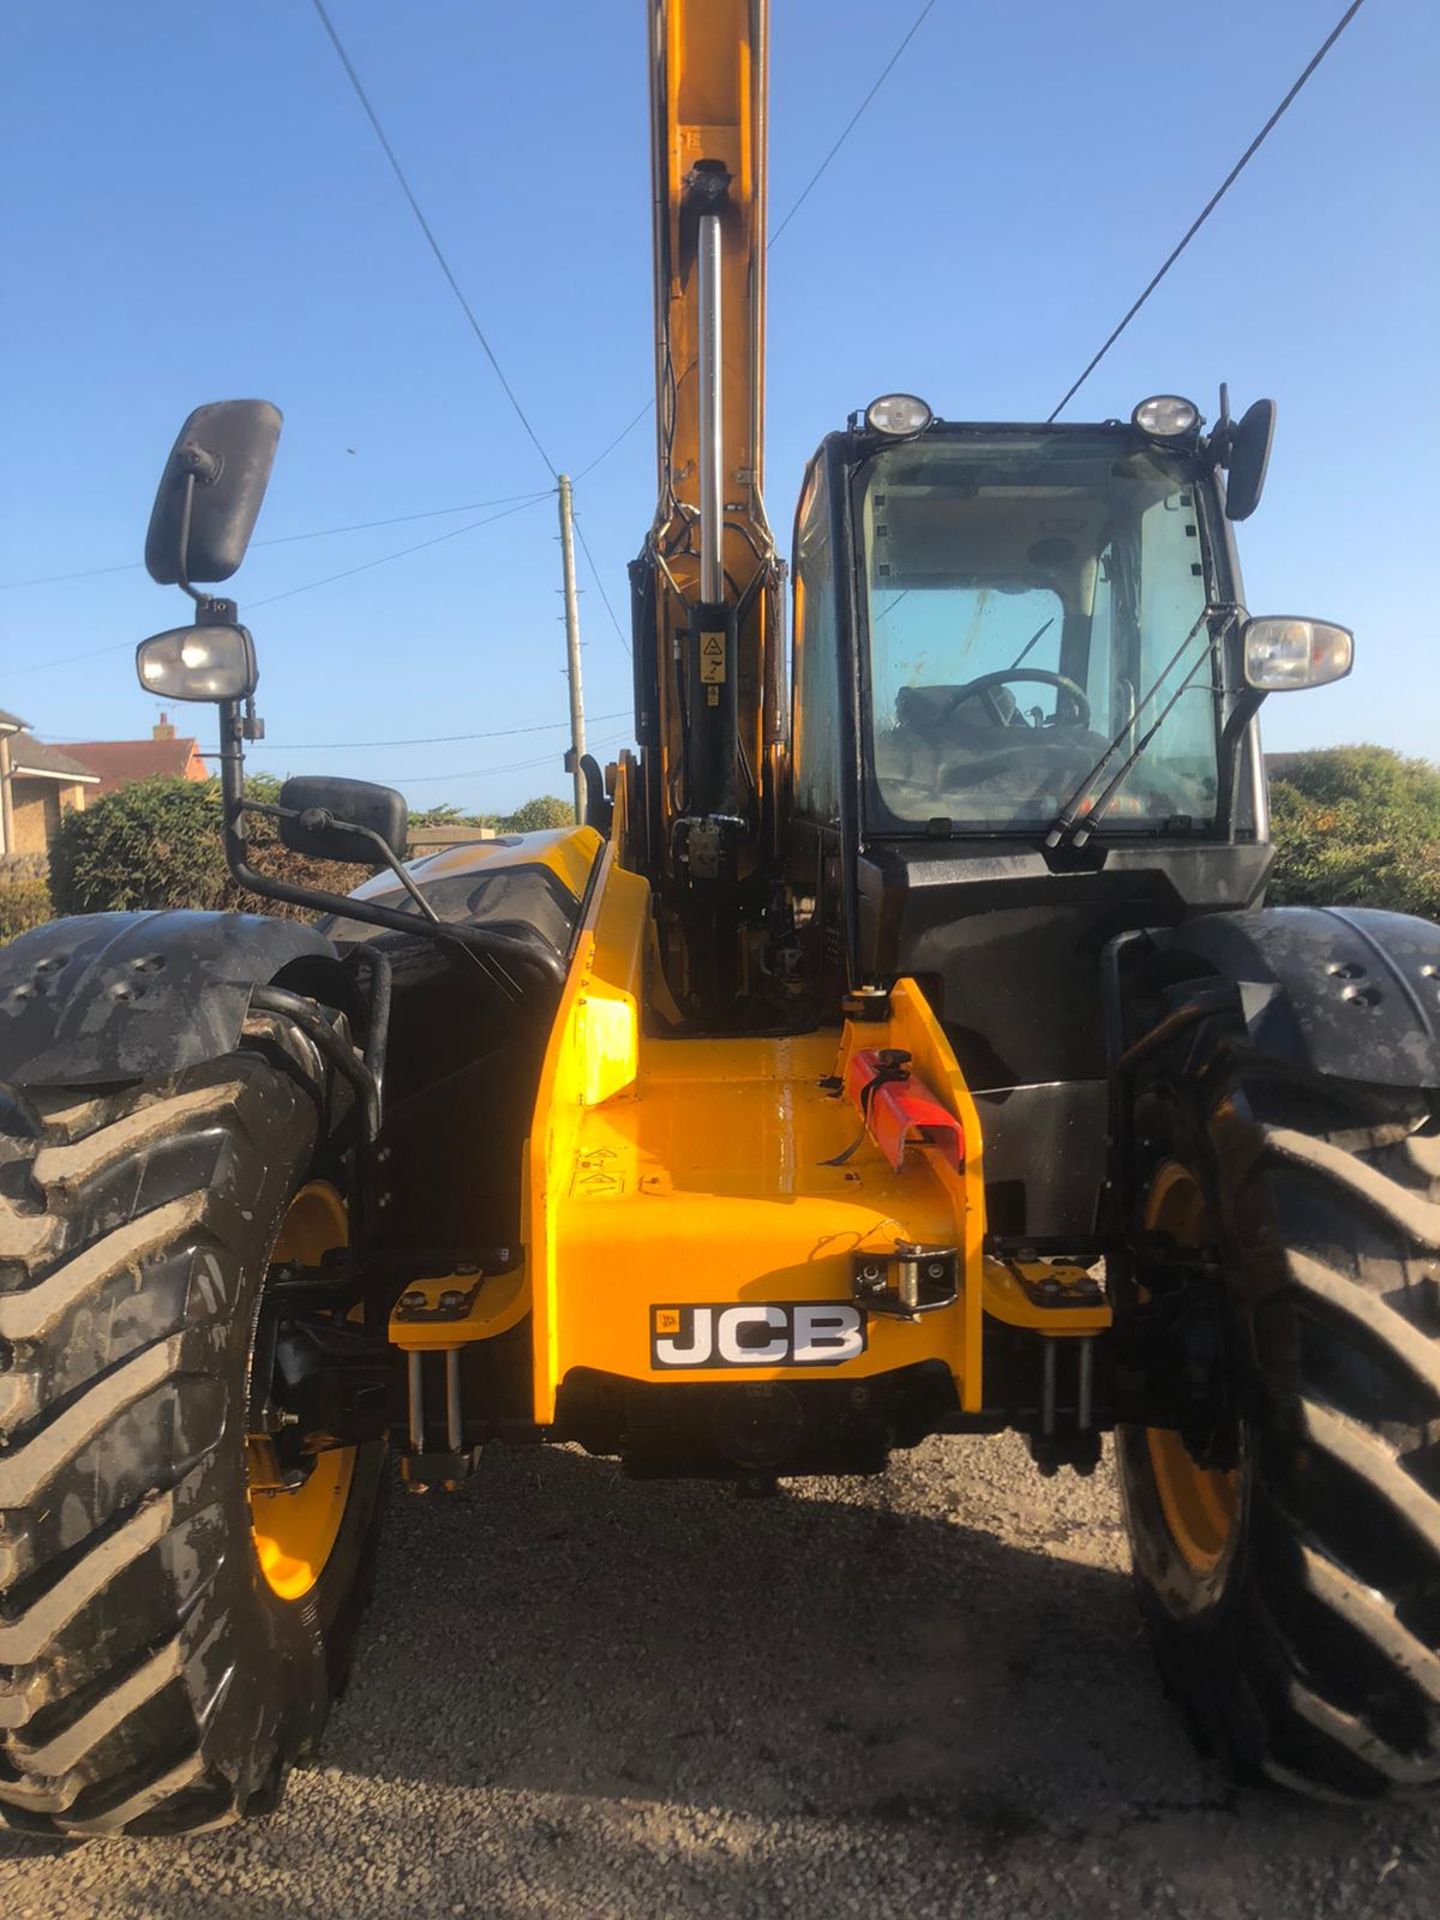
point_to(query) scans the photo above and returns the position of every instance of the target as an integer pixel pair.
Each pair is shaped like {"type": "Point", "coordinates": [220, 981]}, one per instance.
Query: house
{"type": "Point", "coordinates": [118, 762]}
{"type": "Point", "coordinates": [38, 785]}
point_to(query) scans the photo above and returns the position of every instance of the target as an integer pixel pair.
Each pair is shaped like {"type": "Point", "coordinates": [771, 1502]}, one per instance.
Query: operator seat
{"type": "Point", "coordinates": [933, 728]}
{"type": "Point", "coordinates": [942, 746]}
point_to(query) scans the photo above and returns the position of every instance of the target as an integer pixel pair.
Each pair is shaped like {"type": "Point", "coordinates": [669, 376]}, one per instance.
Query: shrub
{"type": "Point", "coordinates": [543, 811]}
{"type": "Point", "coordinates": [546, 811]}
{"type": "Point", "coordinates": [1356, 826]}
{"type": "Point", "coordinates": [156, 843]}
{"type": "Point", "coordinates": [24, 903]}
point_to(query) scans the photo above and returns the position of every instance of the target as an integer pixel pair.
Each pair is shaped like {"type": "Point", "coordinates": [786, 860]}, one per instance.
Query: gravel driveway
{"type": "Point", "coordinates": [921, 1695]}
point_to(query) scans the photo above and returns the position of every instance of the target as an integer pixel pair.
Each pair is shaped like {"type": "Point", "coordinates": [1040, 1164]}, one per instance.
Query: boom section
{"type": "Point", "coordinates": [707, 586]}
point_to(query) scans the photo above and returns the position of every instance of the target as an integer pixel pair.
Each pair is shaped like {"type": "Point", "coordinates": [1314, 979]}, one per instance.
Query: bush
{"type": "Point", "coordinates": [546, 811]}
{"type": "Point", "coordinates": [543, 811]}
{"type": "Point", "coordinates": [156, 843]}
{"type": "Point", "coordinates": [1356, 826]}
{"type": "Point", "coordinates": [24, 903]}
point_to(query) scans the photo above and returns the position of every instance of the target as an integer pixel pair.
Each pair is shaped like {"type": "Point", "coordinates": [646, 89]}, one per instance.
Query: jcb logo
{"type": "Point", "coordinates": [805, 1333]}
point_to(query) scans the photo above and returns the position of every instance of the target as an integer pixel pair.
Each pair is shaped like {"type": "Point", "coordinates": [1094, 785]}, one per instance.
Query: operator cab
{"type": "Point", "coordinates": [1024, 706]}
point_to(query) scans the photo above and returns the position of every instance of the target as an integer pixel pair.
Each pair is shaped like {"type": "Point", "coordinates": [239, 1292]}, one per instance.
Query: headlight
{"type": "Point", "coordinates": [198, 663]}
{"type": "Point", "coordinates": [1284, 654]}
{"type": "Point", "coordinates": [898, 415]}
{"type": "Point", "coordinates": [1166, 416]}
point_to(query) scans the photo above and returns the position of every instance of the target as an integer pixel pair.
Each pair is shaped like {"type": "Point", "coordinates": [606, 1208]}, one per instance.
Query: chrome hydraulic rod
{"type": "Point", "coordinates": [712, 451]}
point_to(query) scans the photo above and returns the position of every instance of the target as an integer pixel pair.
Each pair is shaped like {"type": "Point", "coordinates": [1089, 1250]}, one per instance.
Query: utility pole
{"type": "Point", "coordinates": [572, 645]}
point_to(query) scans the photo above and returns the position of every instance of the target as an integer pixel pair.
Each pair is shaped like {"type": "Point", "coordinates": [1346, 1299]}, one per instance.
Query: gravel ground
{"type": "Point", "coordinates": [922, 1695]}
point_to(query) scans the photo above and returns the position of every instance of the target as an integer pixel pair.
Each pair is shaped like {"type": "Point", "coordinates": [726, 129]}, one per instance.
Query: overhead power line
{"type": "Point", "coordinates": [289, 539]}
{"type": "Point", "coordinates": [810, 184]}
{"type": "Point", "coordinates": [428, 740]}
{"type": "Point", "coordinates": [852, 122]}
{"type": "Point", "coordinates": [1214, 200]}
{"type": "Point", "coordinates": [623, 434]}
{"type": "Point", "coordinates": [400, 519]}
{"type": "Point", "coordinates": [483, 773]}
{"type": "Point", "coordinates": [519, 499]}
{"type": "Point", "coordinates": [70, 660]}
{"type": "Point", "coordinates": [122, 646]}
{"type": "Point", "coordinates": [365, 566]}
{"type": "Point", "coordinates": [600, 584]}
{"type": "Point", "coordinates": [429, 234]}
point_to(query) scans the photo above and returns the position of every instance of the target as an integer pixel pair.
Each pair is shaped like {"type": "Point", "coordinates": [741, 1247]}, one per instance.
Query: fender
{"type": "Point", "coordinates": [126, 996]}
{"type": "Point", "coordinates": [1349, 993]}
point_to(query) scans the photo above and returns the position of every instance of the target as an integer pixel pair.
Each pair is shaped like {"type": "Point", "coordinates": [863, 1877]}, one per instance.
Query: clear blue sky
{"type": "Point", "coordinates": [194, 208]}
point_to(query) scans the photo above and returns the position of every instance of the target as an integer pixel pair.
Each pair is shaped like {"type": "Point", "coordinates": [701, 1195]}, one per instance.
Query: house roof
{"type": "Point", "coordinates": [31, 756]}
{"type": "Point", "coordinates": [11, 722]}
{"type": "Point", "coordinates": [117, 762]}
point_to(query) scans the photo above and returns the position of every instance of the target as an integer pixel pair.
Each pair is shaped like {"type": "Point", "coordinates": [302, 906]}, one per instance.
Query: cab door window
{"type": "Point", "coordinates": [816, 668]}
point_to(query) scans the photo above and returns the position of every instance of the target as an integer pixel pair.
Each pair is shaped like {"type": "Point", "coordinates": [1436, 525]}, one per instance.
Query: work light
{"type": "Point", "coordinates": [198, 663]}
{"type": "Point", "coordinates": [1166, 416]}
{"type": "Point", "coordinates": [898, 415]}
{"type": "Point", "coordinates": [1283, 654]}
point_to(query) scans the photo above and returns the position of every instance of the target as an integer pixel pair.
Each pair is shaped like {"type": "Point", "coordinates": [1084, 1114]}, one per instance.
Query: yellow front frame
{"type": "Point", "coordinates": [680, 1172]}
{"type": "Point", "coordinates": [677, 1172]}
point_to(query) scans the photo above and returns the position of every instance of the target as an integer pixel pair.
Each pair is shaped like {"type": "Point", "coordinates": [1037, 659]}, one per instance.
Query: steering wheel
{"type": "Point", "coordinates": [984, 687]}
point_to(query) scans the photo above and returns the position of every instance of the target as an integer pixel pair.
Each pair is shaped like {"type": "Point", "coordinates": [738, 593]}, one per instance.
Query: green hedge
{"type": "Point", "coordinates": [1356, 826]}
{"type": "Point", "coordinates": [24, 903]}
{"type": "Point", "coordinates": [156, 843]}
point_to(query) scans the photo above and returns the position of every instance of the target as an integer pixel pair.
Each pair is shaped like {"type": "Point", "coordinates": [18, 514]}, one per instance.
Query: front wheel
{"type": "Point", "coordinates": [175, 1613]}
{"type": "Point", "coordinates": [1287, 1555]}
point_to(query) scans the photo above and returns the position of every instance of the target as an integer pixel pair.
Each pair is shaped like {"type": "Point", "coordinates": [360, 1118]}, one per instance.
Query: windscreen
{"type": "Point", "coordinates": [1029, 600]}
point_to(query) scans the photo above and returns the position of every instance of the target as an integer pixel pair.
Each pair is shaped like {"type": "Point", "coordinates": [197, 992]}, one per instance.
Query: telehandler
{"type": "Point", "coordinates": [903, 1051]}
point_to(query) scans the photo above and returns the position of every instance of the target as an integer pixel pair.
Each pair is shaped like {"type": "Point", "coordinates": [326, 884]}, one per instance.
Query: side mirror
{"type": "Point", "coordinates": [335, 819]}
{"type": "Point", "coordinates": [210, 492]}
{"type": "Point", "coordinates": [1284, 655]}
{"type": "Point", "coordinates": [198, 663]}
{"type": "Point", "coordinates": [1250, 444]}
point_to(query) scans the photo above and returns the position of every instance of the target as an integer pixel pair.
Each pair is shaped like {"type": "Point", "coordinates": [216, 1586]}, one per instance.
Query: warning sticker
{"type": "Point", "coordinates": [712, 659]}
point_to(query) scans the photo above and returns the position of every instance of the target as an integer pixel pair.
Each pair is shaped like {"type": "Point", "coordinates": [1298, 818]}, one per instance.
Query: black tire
{"type": "Point", "coordinates": [1307, 1653]}
{"type": "Point", "coordinates": [151, 1680]}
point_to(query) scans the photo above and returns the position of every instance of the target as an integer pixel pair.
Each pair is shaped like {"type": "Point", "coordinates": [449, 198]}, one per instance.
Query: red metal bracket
{"type": "Point", "coordinates": [899, 1110]}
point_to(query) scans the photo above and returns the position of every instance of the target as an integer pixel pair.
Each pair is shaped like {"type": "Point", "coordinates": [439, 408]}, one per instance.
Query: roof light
{"type": "Point", "coordinates": [898, 415]}
{"type": "Point", "coordinates": [1166, 416]}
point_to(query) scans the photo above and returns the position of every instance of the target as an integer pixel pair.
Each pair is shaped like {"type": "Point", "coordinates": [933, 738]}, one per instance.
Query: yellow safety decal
{"type": "Point", "coordinates": [712, 659]}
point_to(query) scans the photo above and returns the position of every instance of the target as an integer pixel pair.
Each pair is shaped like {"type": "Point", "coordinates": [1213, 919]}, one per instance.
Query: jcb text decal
{"type": "Point", "coordinates": [805, 1333]}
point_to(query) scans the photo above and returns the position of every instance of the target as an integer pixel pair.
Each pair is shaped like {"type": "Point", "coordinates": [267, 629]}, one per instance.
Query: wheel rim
{"type": "Point", "coordinates": [1200, 1505]}
{"type": "Point", "coordinates": [296, 1529]}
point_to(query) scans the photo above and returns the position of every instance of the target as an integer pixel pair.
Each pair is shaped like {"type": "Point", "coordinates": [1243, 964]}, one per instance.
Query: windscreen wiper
{"type": "Point", "coordinates": [1078, 820]}
{"type": "Point", "coordinates": [1039, 634]}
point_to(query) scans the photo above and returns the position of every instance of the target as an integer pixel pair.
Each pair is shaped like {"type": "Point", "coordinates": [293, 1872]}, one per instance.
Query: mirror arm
{"type": "Point", "coordinates": [319, 899]}
{"type": "Point", "coordinates": [182, 563]}
{"type": "Point", "coordinates": [377, 840]}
